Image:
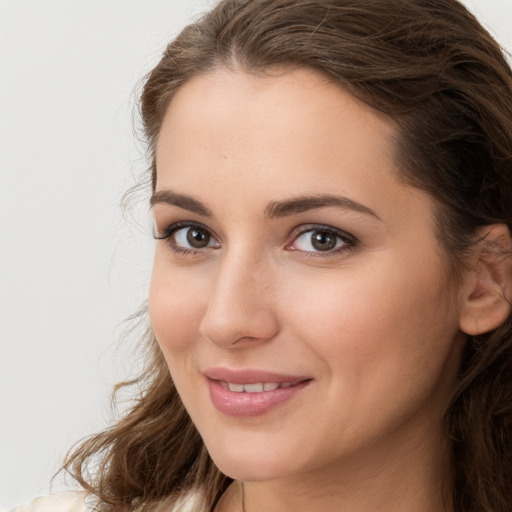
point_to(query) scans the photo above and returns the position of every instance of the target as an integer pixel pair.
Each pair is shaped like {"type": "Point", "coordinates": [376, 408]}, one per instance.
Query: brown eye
{"type": "Point", "coordinates": [192, 238]}
{"type": "Point", "coordinates": [323, 240]}
{"type": "Point", "coordinates": [198, 238]}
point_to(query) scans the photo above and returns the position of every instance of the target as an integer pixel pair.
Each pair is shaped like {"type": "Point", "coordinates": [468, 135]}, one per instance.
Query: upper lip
{"type": "Point", "coordinates": [251, 376]}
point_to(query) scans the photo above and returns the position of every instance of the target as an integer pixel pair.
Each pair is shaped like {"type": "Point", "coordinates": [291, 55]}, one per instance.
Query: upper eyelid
{"type": "Point", "coordinates": [304, 228]}
{"type": "Point", "coordinates": [171, 228]}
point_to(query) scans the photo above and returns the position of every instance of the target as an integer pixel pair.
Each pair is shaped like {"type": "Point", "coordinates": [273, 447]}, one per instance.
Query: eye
{"type": "Point", "coordinates": [193, 238]}
{"type": "Point", "coordinates": [188, 238]}
{"type": "Point", "coordinates": [322, 240]}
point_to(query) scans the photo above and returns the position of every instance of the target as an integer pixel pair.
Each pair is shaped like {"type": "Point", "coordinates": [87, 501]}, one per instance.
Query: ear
{"type": "Point", "coordinates": [487, 291]}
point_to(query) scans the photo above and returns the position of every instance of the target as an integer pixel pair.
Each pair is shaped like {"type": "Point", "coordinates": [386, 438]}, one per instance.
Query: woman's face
{"type": "Point", "coordinates": [299, 293]}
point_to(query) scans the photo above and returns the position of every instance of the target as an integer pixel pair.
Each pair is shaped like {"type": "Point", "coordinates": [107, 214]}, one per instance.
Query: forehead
{"type": "Point", "coordinates": [226, 111]}
{"type": "Point", "coordinates": [252, 139]}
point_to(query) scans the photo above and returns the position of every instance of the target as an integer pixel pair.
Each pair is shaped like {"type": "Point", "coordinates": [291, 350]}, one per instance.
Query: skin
{"type": "Point", "coordinates": [374, 322]}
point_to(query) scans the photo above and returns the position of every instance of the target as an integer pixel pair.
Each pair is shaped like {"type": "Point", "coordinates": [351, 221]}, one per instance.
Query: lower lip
{"type": "Point", "coordinates": [243, 404]}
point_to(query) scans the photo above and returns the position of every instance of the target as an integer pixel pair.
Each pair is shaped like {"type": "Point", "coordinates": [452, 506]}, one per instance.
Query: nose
{"type": "Point", "coordinates": [241, 304]}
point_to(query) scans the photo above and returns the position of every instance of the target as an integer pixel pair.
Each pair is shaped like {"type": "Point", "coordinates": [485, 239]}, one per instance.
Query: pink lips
{"type": "Point", "coordinates": [244, 403]}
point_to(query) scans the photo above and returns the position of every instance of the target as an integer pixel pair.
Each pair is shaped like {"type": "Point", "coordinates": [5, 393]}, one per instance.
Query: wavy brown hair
{"type": "Point", "coordinates": [433, 69]}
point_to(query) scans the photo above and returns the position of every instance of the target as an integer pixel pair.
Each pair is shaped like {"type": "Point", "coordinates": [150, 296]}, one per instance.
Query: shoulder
{"type": "Point", "coordinates": [190, 502]}
{"type": "Point", "coordinates": [80, 501]}
{"type": "Point", "coordinates": [74, 501]}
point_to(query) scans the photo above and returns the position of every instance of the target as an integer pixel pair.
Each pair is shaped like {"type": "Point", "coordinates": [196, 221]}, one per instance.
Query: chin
{"type": "Point", "coordinates": [250, 465]}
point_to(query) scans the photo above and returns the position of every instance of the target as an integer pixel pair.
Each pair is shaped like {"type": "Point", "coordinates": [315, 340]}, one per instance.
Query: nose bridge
{"type": "Point", "coordinates": [241, 303]}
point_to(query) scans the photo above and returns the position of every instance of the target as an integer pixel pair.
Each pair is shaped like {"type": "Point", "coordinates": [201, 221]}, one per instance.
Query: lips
{"type": "Point", "coordinates": [251, 392]}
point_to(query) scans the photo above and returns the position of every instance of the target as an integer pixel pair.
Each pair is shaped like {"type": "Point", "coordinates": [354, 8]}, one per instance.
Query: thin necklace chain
{"type": "Point", "coordinates": [243, 497]}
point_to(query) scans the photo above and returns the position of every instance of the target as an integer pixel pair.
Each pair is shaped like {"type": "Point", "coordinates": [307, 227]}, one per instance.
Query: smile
{"type": "Point", "coordinates": [258, 387]}
{"type": "Point", "coordinates": [251, 393]}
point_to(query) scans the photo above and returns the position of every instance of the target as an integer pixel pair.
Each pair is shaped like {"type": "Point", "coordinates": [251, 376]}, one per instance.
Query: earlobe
{"type": "Point", "coordinates": [487, 292]}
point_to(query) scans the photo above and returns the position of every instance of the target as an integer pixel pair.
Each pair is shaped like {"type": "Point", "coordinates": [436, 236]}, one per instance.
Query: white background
{"type": "Point", "coordinates": [71, 266]}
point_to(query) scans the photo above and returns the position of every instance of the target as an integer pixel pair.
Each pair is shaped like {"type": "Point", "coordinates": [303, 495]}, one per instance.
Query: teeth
{"type": "Point", "coordinates": [255, 388]}
{"type": "Point", "coordinates": [235, 387]}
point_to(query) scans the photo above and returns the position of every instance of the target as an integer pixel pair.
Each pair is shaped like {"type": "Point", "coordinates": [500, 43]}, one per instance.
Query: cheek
{"type": "Point", "coordinates": [380, 321]}
{"type": "Point", "coordinates": [175, 308]}
{"type": "Point", "coordinates": [381, 336]}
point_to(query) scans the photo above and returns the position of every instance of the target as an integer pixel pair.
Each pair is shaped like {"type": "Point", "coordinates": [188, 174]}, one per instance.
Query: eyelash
{"type": "Point", "coordinates": [349, 242]}
{"type": "Point", "coordinates": [169, 232]}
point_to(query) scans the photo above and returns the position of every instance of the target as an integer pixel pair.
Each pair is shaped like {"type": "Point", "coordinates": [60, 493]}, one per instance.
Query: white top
{"type": "Point", "coordinates": [80, 501]}
{"type": "Point", "coordinates": [74, 501]}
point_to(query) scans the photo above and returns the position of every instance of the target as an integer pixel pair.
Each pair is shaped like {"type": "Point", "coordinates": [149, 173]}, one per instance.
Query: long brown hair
{"type": "Point", "coordinates": [432, 68]}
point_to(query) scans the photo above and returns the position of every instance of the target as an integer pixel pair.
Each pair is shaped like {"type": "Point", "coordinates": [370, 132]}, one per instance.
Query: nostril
{"type": "Point", "coordinates": [237, 328]}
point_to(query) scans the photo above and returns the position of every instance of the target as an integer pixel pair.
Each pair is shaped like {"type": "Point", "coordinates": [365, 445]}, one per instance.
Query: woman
{"type": "Point", "coordinates": [331, 289]}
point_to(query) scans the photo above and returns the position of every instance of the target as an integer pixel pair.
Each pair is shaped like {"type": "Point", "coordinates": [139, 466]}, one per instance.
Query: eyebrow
{"type": "Point", "coordinates": [306, 203]}
{"type": "Point", "coordinates": [274, 209]}
{"type": "Point", "coordinates": [166, 196]}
